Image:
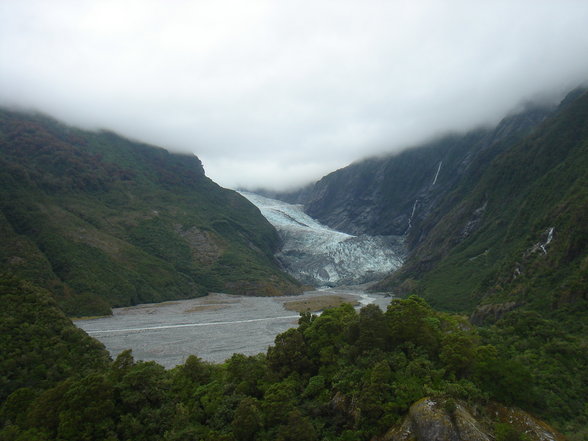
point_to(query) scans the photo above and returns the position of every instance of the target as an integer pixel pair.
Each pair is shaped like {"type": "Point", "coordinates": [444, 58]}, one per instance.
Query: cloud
{"type": "Point", "coordinates": [279, 93]}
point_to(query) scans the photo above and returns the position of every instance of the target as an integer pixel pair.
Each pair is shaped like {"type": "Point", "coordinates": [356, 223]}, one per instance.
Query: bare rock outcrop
{"type": "Point", "coordinates": [432, 419]}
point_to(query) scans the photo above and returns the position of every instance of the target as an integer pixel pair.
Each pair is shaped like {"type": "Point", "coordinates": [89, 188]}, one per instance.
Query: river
{"type": "Point", "coordinates": [212, 327]}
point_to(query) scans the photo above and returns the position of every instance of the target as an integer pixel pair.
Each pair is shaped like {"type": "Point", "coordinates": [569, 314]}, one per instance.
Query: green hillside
{"type": "Point", "coordinates": [102, 221]}
{"type": "Point", "coordinates": [40, 346]}
{"type": "Point", "coordinates": [519, 236]}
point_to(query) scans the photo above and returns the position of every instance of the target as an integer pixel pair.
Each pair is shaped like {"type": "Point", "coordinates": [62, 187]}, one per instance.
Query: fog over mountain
{"type": "Point", "coordinates": [275, 94]}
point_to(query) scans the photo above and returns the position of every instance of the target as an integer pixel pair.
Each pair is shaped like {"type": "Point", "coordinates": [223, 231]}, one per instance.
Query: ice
{"type": "Point", "coordinates": [320, 256]}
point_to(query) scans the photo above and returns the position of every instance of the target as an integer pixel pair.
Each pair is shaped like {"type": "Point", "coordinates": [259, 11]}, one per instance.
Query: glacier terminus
{"type": "Point", "coordinates": [320, 256]}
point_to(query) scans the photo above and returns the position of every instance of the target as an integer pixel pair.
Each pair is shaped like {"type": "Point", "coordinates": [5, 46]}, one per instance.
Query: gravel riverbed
{"type": "Point", "coordinates": [212, 327]}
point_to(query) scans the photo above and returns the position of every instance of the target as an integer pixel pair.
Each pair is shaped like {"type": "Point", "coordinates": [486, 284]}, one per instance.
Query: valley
{"type": "Point", "coordinates": [212, 327]}
{"type": "Point", "coordinates": [216, 326]}
{"type": "Point", "coordinates": [489, 227]}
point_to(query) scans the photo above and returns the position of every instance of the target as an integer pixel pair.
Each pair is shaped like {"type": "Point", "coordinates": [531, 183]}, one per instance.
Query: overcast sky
{"type": "Point", "coordinates": [278, 93]}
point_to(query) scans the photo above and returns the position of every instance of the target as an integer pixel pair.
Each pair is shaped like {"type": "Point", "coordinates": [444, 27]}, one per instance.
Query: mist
{"type": "Point", "coordinates": [277, 94]}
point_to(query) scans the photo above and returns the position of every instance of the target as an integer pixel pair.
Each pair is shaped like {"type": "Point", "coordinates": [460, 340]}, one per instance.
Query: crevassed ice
{"type": "Point", "coordinates": [318, 255]}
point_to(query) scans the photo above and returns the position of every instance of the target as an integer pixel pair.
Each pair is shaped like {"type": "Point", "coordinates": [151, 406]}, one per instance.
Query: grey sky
{"type": "Point", "coordinates": [277, 93]}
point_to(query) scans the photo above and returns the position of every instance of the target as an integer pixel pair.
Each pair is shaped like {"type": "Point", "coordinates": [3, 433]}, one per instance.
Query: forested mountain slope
{"type": "Point", "coordinates": [510, 247]}
{"type": "Point", "coordinates": [39, 345]}
{"type": "Point", "coordinates": [516, 236]}
{"type": "Point", "coordinates": [103, 221]}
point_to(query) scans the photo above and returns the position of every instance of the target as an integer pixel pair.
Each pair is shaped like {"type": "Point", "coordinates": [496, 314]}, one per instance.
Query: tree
{"type": "Point", "coordinates": [87, 410]}
{"type": "Point", "coordinates": [290, 354]}
{"type": "Point", "coordinates": [373, 332]}
{"type": "Point", "coordinates": [413, 321]}
{"type": "Point", "coordinates": [457, 353]}
{"type": "Point", "coordinates": [143, 402]}
{"type": "Point", "coordinates": [329, 334]}
{"type": "Point", "coordinates": [376, 392]}
{"type": "Point", "coordinates": [248, 419]}
{"type": "Point", "coordinates": [298, 428]}
{"type": "Point", "coordinates": [245, 373]}
{"type": "Point", "coordinates": [279, 400]}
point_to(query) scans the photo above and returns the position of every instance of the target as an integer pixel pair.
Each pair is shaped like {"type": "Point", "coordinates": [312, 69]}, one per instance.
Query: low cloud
{"type": "Point", "coordinates": [276, 94]}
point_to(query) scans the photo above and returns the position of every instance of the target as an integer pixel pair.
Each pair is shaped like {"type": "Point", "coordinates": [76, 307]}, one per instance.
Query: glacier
{"type": "Point", "coordinates": [319, 256]}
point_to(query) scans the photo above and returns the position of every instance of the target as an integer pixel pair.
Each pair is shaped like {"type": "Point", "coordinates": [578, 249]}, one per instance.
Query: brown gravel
{"type": "Point", "coordinates": [320, 303]}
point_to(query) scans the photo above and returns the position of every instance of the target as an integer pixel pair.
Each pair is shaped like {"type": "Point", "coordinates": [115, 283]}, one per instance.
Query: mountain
{"type": "Point", "coordinates": [320, 256]}
{"type": "Point", "coordinates": [392, 195]}
{"type": "Point", "coordinates": [518, 234]}
{"type": "Point", "coordinates": [494, 219]}
{"type": "Point", "coordinates": [506, 239]}
{"type": "Point", "coordinates": [102, 221]}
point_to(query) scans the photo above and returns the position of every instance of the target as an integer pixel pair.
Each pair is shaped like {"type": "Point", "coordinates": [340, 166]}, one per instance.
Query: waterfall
{"type": "Point", "coordinates": [548, 240]}
{"type": "Point", "coordinates": [412, 214]}
{"type": "Point", "coordinates": [437, 174]}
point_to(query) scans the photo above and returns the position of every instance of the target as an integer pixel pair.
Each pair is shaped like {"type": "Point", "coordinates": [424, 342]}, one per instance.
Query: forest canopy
{"type": "Point", "coordinates": [343, 375]}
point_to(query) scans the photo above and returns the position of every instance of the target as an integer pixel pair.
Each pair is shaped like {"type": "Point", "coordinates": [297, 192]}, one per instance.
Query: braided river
{"type": "Point", "coordinates": [212, 327]}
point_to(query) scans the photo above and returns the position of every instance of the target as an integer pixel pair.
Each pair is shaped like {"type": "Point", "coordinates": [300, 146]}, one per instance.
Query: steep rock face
{"type": "Point", "coordinates": [103, 221]}
{"type": "Point", "coordinates": [392, 195]}
{"type": "Point", "coordinates": [432, 419]}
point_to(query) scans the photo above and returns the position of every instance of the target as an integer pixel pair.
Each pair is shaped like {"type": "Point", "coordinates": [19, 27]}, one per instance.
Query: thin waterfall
{"type": "Point", "coordinates": [437, 174]}
{"type": "Point", "coordinates": [411, 216]}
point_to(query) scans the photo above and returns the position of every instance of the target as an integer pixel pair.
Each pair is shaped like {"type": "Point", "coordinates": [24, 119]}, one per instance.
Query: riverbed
{"type": "Point", "coordinates": [213, 327]}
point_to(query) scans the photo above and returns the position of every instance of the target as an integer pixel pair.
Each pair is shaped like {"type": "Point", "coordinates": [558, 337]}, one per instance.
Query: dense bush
{"type": "Point", "coordinates": [341, 375]}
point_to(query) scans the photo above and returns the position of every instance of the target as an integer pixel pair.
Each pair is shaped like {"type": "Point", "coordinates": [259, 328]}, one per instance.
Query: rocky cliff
{"type": "Point", "coordinates": [433, 419]}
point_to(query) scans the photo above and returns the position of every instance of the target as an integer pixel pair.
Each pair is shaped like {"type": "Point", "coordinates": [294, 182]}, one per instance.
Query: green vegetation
{"type": "Point", "coordinates": [319, 303]}
{"type": "Point", "coordinates": [94, 220]}
{"type": "Point", "coordinates": [340, 376]}
{"type": "Point", "coordinates": [510, 247]}
{"type": "Point", "coordinates": [40, 346]}
{"type": "Point", "coordinates": [519, 233]}
{"type": "Point", "coordinates": [102, 221]}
